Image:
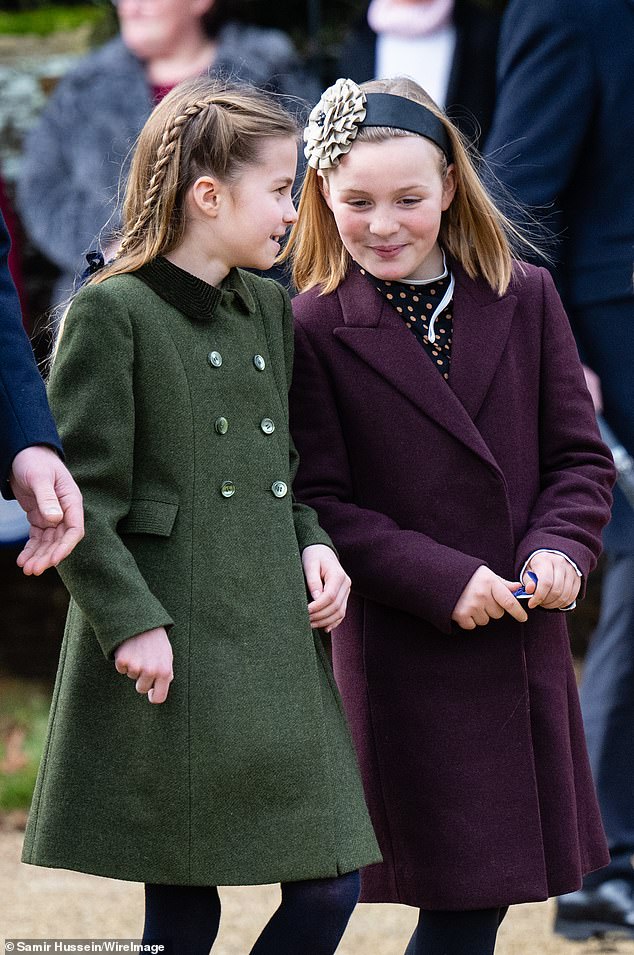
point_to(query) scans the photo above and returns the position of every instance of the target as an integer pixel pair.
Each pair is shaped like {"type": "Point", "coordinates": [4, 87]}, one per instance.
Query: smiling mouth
{"type": "Point", "coordinates": [386, 249]}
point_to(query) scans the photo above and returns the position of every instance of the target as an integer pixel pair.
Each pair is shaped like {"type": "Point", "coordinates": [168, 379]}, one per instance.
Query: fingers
{"type": "Point", "coordinates": [147, 659]}
{"type": "Point", "coordinates": [503, 595]}
{"type": "Point", "coordinates": [558, 582]}
{"type": "Point", "coordinates": [487, 597]}
{"type": "Point", "coordinates": [312, 573]}
{"type": "Point", "coordinates": [330, 609]}
{"type": "Point", "coordinates": [35, 558]}
{"type": "Point", "coordinates": [47, 501]}
{"type": "Point", "coordinates": [71, 537]}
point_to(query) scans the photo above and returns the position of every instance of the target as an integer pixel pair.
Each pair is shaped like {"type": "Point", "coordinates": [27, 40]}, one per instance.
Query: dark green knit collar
{"type": "Point", "coordinates": [189, 294]}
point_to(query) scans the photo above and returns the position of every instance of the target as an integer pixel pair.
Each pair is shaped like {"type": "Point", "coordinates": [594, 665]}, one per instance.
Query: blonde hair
{"type": "Point", "coordinates": [201, 127]}
{"type": "Point", "coordinates": [473, 229]}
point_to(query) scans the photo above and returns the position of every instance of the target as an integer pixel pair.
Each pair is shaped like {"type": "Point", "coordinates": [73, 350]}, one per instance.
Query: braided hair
{"type": "Point", "coordinates": [202, 127]}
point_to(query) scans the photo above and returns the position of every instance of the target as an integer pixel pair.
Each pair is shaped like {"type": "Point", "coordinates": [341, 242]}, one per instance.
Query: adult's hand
{"type": "Point", "coordinates": [45, 489]}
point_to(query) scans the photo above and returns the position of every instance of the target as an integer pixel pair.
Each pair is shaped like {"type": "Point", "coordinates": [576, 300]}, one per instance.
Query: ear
{"type": "Point", "coordinates": [449, 187]}
{"type": "Point", "coordinates": [206, 195]}
{"type": "Point", "coordinates": [324, 188]}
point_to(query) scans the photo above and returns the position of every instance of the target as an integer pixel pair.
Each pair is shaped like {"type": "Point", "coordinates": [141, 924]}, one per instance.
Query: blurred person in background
{"type": "Point", "coordinates": [561, 143]}
{"type": "Point", "coordinates": [73, 157]}
{"type": "Point", "coordinates": [447, 46]}
{"type": "Point", "coordinates": [30, 465]}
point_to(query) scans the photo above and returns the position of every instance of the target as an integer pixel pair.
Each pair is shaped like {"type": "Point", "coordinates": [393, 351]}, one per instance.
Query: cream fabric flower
{"type": "Point", "coordinates": [333, 124]}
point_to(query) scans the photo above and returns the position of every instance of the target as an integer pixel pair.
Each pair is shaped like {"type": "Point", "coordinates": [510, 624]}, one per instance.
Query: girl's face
{"type": "Point", "coordinates": [260, 208]}
{"type": "Point", "coordinates": [387, 199]}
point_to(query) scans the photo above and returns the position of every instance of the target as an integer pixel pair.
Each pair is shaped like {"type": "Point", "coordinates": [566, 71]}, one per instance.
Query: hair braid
{"type": "Point", "coordinates": [168, 146]}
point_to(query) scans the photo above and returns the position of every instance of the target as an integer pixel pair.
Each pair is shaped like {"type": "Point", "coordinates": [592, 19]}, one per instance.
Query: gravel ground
{"type": "Point", "coordinates": [52, 903]}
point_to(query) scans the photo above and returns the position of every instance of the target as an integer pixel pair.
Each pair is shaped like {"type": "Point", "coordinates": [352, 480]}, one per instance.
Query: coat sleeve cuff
{"type": "Point", "coordinates": [110, 638]}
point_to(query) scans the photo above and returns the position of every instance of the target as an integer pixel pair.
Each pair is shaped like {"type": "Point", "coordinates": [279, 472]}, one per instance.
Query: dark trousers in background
{"type": "Point", "coordinates": [606, 334]}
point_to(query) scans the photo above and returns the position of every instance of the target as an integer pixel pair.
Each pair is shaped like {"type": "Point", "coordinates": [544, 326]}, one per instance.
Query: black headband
{"type": "Point", "coordinates": [386, 109]}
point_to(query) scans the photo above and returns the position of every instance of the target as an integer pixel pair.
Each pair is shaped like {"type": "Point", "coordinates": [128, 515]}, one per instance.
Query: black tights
{"type": "Point", "coordinates": [311, 919]}
{"type": "Point", "coordinates": [456, 933]}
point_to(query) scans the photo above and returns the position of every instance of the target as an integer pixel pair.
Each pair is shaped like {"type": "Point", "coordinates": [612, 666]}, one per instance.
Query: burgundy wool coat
{"type": "Point", "coordinates": [470, 742]}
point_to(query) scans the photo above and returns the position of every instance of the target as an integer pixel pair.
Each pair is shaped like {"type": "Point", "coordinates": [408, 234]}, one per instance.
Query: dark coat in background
{"type": "Point", "coordinates": [470, 743]}
{"type": "Point", "coordinates": [25, 418]}
{"type": "Point", "coordinates": [471, 91]}
{"type": "Point", "coordinates": [561, 142]}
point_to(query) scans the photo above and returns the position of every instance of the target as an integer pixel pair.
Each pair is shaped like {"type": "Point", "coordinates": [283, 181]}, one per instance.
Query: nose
{"type": "Point", "coordinates": [383, 224]}
{"type": "Point", "coordinates": [290, 213]}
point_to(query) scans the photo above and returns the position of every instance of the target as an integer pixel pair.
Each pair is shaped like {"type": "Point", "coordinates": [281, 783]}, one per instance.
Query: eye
{"type": "Point", "coordinates": [358, 203]}
{"type": "Point", "coordinates": [410, 200]}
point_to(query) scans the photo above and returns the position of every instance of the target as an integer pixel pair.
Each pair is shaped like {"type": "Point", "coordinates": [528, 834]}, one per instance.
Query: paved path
{"type": "Point", "coordinates": [50, 903]}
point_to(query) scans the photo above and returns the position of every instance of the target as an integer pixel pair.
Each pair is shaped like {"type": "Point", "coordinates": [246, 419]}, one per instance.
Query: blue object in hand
{"type": "Point", "coordinates": [521, 593]}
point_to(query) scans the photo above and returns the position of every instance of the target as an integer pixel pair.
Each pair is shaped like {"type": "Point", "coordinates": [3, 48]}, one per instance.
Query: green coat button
{"type": "Point", "coordinates": [279, 488]}
{"type": "Point", "coordinates": [267, 426]}
{"type": "Point", "coordinates": [227, 489]}
{"type": "Point", "coordinates": [259, 362]}
{"type": "Point", "coordinates": [221, 425]}
{"type": "Point", "coordinates": [214, 358]}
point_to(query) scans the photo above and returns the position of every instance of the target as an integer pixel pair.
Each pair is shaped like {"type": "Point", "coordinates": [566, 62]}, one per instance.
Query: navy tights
{"type": "Point", "coordinates": [456, 933]}
{"type": "Point", "coordinates": [311, 918]}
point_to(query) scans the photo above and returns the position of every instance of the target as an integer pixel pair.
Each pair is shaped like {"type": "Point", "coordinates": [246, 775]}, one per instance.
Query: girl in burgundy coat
{"type": "Point", "coordinates": [449, 445]}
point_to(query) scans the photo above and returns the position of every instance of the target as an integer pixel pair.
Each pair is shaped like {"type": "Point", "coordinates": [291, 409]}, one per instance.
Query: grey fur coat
{"type": "Point", "coordinates": [73, 157]}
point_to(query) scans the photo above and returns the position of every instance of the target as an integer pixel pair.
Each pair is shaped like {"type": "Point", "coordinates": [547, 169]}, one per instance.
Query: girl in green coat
{"type": "Point", "coordinates": [227, 759]}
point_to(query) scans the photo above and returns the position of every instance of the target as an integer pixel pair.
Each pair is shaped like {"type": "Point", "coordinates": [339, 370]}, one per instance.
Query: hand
{"type": "Point", "coordinates": [147, 658]}
{"type": "Point", "coordinates": [593, 383]}
{"type": "Point", "coordinates": [558, 583]}
{"type": "Point", "coordinates": [487, 597]}
{"type": "Point", "coordinates": [44, 488]}
{"type": "Point", "coordinates": [329, 586]}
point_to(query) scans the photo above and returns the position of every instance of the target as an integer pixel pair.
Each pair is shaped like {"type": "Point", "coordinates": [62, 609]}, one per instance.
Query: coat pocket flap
{"type": "Point", "coordinates": [149, 517]}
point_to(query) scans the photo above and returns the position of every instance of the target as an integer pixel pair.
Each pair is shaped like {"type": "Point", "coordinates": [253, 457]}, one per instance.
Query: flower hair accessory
{"type": "Point", "coordinates": [344, 108]}
{"type": "Point", "coordinates": [333, 124]}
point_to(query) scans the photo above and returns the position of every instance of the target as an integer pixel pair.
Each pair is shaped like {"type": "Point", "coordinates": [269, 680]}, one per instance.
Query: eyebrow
{"type": "Point", "coordinates": [284, 181]}
{"type": "Point", "coordinates": [364, 192]}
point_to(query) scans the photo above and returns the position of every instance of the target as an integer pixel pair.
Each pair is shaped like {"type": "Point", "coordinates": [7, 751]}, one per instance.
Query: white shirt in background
{"type": "Point", "coordinates": [425, 59]}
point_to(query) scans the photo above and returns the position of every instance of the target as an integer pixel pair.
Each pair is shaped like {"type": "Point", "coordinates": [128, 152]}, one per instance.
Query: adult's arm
{"type": "Point", "coordinates": [25, 418]}
{"type": "Point", "coordinates": [577, 472]}
{"type": "Point", "coordinates": [387, 563]}
{"type": "Point", "coordinates": [546, 94]}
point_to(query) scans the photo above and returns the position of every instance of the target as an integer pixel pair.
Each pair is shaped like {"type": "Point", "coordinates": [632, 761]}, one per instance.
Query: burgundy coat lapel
{"type": "Point", "coordinates": [478, 314]}
{"type": "Point", "coordinates": [376, 334]}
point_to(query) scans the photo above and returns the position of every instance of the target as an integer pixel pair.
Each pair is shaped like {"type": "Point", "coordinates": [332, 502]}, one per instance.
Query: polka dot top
{"type": "Point", "coordinates": [416, 304]}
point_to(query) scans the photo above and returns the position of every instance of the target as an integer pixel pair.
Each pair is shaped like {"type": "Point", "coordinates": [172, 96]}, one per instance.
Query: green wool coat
{"type": "Point", "coordinates": [175, 425]}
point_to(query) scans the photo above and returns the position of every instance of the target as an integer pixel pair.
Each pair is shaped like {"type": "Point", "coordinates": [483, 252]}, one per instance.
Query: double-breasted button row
{"type": "Point", "coordinates": [215, 360]}
{"type": "Point", "coordinates": [221, 425]}
{"type": "Point", "coordinates": [279, 488]}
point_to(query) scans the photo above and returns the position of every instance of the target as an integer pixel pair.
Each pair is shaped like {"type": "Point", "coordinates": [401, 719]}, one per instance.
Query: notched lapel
{"type": "Point", "coordinates": [378, 336]}
{"type": "Point", "coordinates": [481, 328]}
